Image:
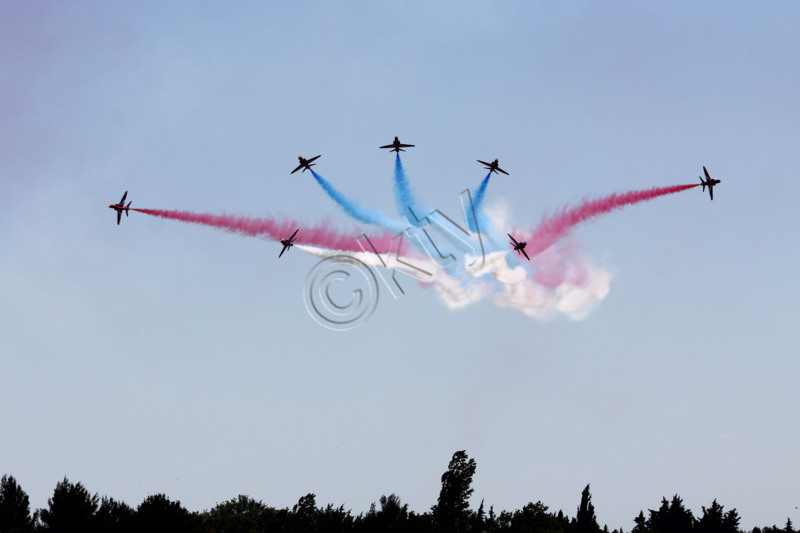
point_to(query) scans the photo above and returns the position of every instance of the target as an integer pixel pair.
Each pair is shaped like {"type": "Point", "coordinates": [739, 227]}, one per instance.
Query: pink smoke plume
{"type": "Point", "coordinates": [321, 234]}
{"type": "Point", "coordinates": [554, 228]}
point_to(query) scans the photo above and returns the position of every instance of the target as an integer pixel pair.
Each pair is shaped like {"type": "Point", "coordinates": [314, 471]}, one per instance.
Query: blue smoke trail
{"type": "Point", "coordinates": [486, 226]}
{"type": "Point", "coordinates": [466, 280]}
{"type": "Point", "coordinates": [367, 216]}
{"type": "Point", "coordinates": [406, 200]}
{"type": "Point", "coordinates": [478, 201]}
{"type": "Point", "coordinates": [403, 195]}
{"type": "Point", "coordinates": [479, 194]}
{"type": "Point", "coordinates": [420, 218]}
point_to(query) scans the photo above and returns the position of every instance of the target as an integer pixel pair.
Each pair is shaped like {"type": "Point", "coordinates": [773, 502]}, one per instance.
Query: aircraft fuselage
{"type": "Point", "coordinates": [494, 166]}
{"type": "Point", "coordinates": [397, 146]}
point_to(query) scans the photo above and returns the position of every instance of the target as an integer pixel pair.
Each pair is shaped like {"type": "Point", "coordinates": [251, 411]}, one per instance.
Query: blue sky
{"type": "Point", "coordinates": [161, 357]}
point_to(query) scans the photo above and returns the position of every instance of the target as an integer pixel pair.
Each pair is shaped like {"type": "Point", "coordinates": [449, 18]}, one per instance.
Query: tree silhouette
{"type": "Point", "coordinates": [641, 524]}
{"type": "Point", "coordinates": [714, 520]}
{"type": "Point", "coordinates": [114, 516]}
{"type": "Point", "coordinates": [534, 518]}
{"type": "Point", "coordinates": [242, 515]}
{"type": "Point", "coordinates": [391, 518]}
{"type": "Point", "coordinates": [70, 509]}
{"type": "Point", "coordinates": [73, 508]}
{"type": "Point", "coordinates": [671, 517]}
{"type": "Point", "coordinates": [450, 513]}
{"type": "Point", "coordinates": [304, 514]}
{"type": "Point", "coordinates": [15, 511]}
{"type": "Point", "coordinates": [334, 519]}
{"type": "Point", "coordinates": [491, 523]}
{"type": "Point", "coordinates": [585, 520]}
{"type": "Point", "coordinates": [157, 514]}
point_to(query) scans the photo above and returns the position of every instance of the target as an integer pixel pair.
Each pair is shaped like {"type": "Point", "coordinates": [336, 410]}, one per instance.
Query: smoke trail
{"type": "Point", "coordinates": [481, 192]}
{"type": "Point", "coordinates": [415, 266]}
{"type": "Point", "coordinates": [580, 288]}
{"type": "Point", "coordinates": [271, 228]}
{"type": "Point", "coordinates": [558, 281]}
{"type": "Point", "coordinates": [556, 227]}
{"type": "Point", "coordinates": [402, 193]}
{"type": "Point", "coordinates": [570, 286]}
{"type": "Point", "coordinates": [486, 226]}
{"type": "Point", "coordinates": [367, 216]}
{"type": "Point", "coordinates": [404, 199]}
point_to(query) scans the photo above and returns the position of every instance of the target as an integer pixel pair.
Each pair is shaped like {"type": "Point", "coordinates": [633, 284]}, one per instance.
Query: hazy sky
{"type": "Point", "coordinates": [156, 356]}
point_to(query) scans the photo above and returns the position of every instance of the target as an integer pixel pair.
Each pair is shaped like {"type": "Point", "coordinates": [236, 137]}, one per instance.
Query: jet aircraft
{"type": "Point", "coordinates": [288, 243]}
{"type": "Point", "coordinates": [397, 146]}
{"type": "Point", "coordinates": [305, 164]}
{"type": "Point", "coordinates": [710, 182]}
{"type": "Point", "coordinates": [120, 207]}
{"type": "Point", "coordinates": [494, 166]}
{"type": "Point", "coordinates": [519, 247]}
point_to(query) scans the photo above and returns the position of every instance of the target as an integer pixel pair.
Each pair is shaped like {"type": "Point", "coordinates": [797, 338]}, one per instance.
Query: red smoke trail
{"type": "Point", "coordinates": [554, 228]}
{"type": "Point", "coordinates": [322, 235]}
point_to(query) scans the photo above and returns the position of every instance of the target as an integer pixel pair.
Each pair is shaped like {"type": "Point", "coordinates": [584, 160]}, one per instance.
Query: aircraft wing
{"type": "Point", "coordinates": [711, 192]}
{"type": "Point", "coordinates": [298, 168]}
{"type": "Point", "coordinates": [119, 216]}
{"type": "Point", "coordinates": [523, 253]}
{"type": "Point", "coordinates": [313, 158]}
{"type": "Point", "coordinates": [484, 163]}
{"type": "Point", "coordinates": [406, 145]}
{"type": "Point", "coordinates": [501, 170]}
{"type": "Point", "coordinates": [387, 146]}
{"type": "Point", "coordinates": [512, 239]}
{"type": "Point", "coordinates": [707, 176]}
{"type": "Point", "coordinates": [284, 249]}
{"type": "Point", "coordinates": [293, 234]}
{"type": "Point", "coordinates": [121, 202]}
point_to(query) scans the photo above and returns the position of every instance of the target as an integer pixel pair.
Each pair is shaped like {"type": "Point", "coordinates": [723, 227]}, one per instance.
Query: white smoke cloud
{"type": "Point", "coordinates": [559, 282]}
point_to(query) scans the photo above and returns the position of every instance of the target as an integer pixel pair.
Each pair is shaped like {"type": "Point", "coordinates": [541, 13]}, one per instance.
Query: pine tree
{"type": "Point", "coordinates": [15, 511]}
{"type": "Point", "coordinates": [72, 508]}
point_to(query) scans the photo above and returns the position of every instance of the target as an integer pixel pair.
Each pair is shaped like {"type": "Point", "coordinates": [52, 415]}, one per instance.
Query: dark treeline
{"type": "Point", "coordinates": [72, 508]}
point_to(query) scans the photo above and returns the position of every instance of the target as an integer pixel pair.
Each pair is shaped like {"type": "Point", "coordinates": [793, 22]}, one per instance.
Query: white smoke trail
{"type": "Point", "coordinates": [563, 281]}
{"type": "Point", "coordinates": [559, 282]}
